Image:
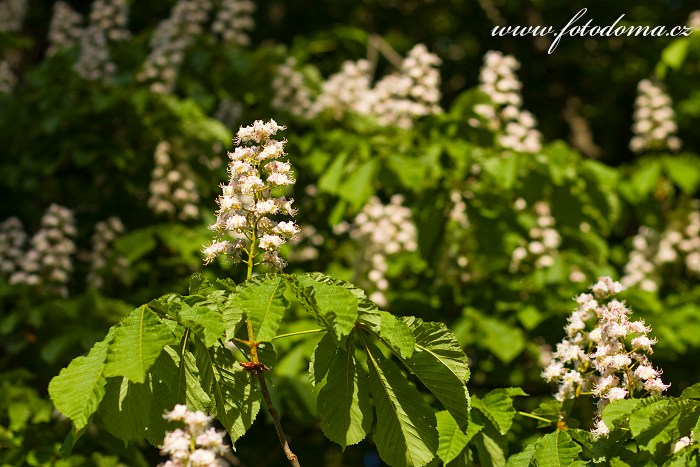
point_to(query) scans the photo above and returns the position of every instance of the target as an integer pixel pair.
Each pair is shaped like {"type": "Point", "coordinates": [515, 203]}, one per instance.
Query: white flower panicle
{"type": "Point", "coordinates": [12, 240]}
{"type": "Point", "coordinates": [498, 79]}
{"type": "Point", "coordinates": [595, 357]}
{"type": "Point", "coordinates": [346, 91]}
{"type": "Point", "coordinates": [233, 21]}
{"type": "Point", "coordinates": [543, 244]}
{"type": "Point", "coordinates": [8, 79]}
{"type": "Point", "coordinates": [197, 445]}
{"type": "Point", "coordinates": [48, 262]}
{"type": "Point", "coordinates": [516, 128]}
{"type": "Point", "coordinates": [65, 29]}
{"type": "Point", "coordinates": [679, 242]}
{"type": "Point", "coordinates": [229, 112]}
{"type": "Point", "coordinates": [694, 20]}
{"type": "Point", "coordinates": [458, 237]}
{"type": "Point", "coordinates": [112, 18]}
{"type": "Point", "coordinates": [383, 230]}
{"type": "Point", "coordinates": [94, 61]}
{"type": "Point", "coordinates": [169, 41]}
{"type": "Point", "coordinates": [398, 99]}
{"type": "Point", "coordinates": [247, 207]}
{"type": "Point", "coordinates": [107, 22]}
{"type": "Point", "coordinates": [106, 232]}
{"type": "Point", "coordinates": [173, 190]}
{"type": "Point", "coordinates": [290, 91]}
{"type": "Point", "coordinates": [654, 120]}
{"type": "Point", "coordinates": [12, 13]}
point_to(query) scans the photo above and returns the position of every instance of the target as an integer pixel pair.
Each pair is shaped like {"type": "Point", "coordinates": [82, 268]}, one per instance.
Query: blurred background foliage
{"type": "Point", "coordinates": [89, 145]}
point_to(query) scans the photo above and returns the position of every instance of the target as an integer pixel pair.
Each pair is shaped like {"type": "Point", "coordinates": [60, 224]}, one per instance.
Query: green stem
{"type": "Point", "coordinates": [542, 419]}
{"type": "Point", "coordinates": [299, 333]}
{"type": "Point", "coordinates": [249, 324]}
{"type": "Point", "coordinates": [251, 254]}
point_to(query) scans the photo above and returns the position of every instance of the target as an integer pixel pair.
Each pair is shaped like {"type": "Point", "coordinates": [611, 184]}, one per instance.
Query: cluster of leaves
{"type": "Point", "coordinates": [172, 351]}
{"type": "Point", "coordinates": [642, 432]}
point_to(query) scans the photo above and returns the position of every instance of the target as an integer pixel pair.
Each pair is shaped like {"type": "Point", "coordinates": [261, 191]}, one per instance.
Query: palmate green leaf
{"type": "Point", "coordinates": [691, 392]}
{"type": "Point", "coordinates": [321, 358]}
{"type": "Point", "coordinates": [389, 329]}
{"type": "Point", "coordinates": [78, 389]}
{"type": "Point", "coordinates": [168, 305]}
{"type": "Point", "coordinates": [236, 396]}
{"type": "Point", "coordinates": [491, 447]}
{"type": "Point", "coordinates": [197, 283]}
{"type": "Point", "coordinates": [186, 385]}
{"type": "Point", "coordinates": [475, 425]}
{"type": "Point", "coordinates": [504, 170]}
{"type": "Point", "coordinates": [660, 422]}
{"type": "Point", "coordinates": [125, 408]}
{"type": "Point", "coordinates": [498, 408]}
{"type": "Point", "coordinates": [138, 340]}
{"type": "Point", "coordinates": [232, 317]}
{"type": "Point", "coordinates": [405, 432]}
{"type": "Point", "coordinates": [683, 458]}
{"type": "Point", "coordinates": [343, 403]}
{"type": "Point", "coordinates": [504, 340]}
{"type": "Point", "coordinates": [332, 178]}
{"type": "Point", "coordinates": [358, 187]}
{"type": "Point", "coordinates": [364, 304]}
{"type": "Point", "coordinates": [262, 300]}
{"type": "Point", "coordinates": [452, 440]}
{"type": "Point", "coordinates": [556, 450]}
{"type": "Point", "coordinates": [522, 459]}
{"type": "Point", "coordinates": [684, 171]}
{"type": "Point", "coordinates": [617, 462]}
{"type": "Point", "coordinates": [164, 384]}
{"type": "Point", "coordinates": [392, 331]}
{"type": "Point", "coordinates": [205, 322]}
{"type": "Point", "coordinates": [464, 459]}
{"type": "Point", "coordinates": [617, 412]}
{"type": "Point", "coordinates": [440, 363]}
{"type": "Point", "coordinates": [334, 306]}
{"type": "Point", "coordinates": [643, 180]}
{"type": "Point", "coordinates": [606, 447]}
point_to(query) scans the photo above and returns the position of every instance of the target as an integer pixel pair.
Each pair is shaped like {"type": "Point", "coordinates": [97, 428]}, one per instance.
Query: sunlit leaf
{"type": "Point", "coordinates": [405, 432]}
{"type": "Point", "coordinates": [138, 340]}
{"type": "Point", "coordinates": [344, 402]}
{"type": "Point", "coordinates": [79, 388]}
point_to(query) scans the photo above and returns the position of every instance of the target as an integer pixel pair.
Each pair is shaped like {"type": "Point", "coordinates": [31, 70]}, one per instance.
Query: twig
{"type": "Point", "coordinates": [233, 460]}
{"type": "Point", "coordinates": [492, 12]}
{"type": "Point", "coordinates": [372, 57]}
{"type": "Point", "coordinates": [291, 457]}
{"type": "Point", "coordinates": [388, 51]}
{"type": "Point", "coordinates": [581, 135]}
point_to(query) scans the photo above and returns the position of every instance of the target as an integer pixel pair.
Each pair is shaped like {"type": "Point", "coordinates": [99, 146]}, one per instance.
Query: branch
{"type": "Point", "coordinates": [388, 51]}
{"type": "Point", "coordinates": [581, 135]}
{"type": "Point", "coordinates": [293, 459]}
